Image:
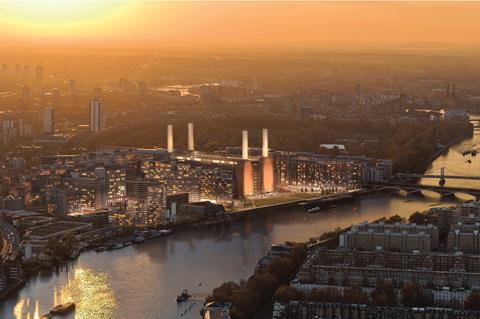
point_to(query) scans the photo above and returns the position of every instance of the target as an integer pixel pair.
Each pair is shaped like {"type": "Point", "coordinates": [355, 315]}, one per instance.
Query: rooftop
{"type": "Point", "coordinates": [50, 230]}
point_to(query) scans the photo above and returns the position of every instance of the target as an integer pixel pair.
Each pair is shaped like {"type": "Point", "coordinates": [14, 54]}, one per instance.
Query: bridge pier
{"type": "Point", "coordinates": [415, 189]}
{"type": "Point", "coordinates": [447, 195]}
{"type": "Point", "coordinates": [392, 191]}
{"type": "Point", "coordinates": [415, 192]}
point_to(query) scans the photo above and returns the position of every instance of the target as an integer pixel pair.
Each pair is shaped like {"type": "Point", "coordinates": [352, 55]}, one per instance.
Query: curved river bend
{"type": "Point", "coordinates": [143, 281]}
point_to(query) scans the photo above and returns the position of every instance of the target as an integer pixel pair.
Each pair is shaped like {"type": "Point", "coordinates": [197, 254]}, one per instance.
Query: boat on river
{"type": "Point", "coordinates": [74, 254]}
{"type": "Point", "coordinates": [184, 296]}
{"type": "Point", "coordinates": [63, 309]}
{"type": "Point", "coordinates": [159, 233]}
{"type": "Point", "coordinates": [165, 232]}
{"type": "Point", "coordinates": [118, 246]}
{"type": "Point", "coordinates": [139, 239]}
{"type": "Point", "coordinates": [314, 210]}
{"type": "Point", "coordinates": [100, 249]}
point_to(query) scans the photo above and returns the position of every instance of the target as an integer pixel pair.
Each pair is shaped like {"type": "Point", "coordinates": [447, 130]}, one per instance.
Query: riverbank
{"type": "Point", "coordinates": [209, 255]}
{"type": "Point", "coordinates": [306, 202]}
{"type": "Point", "coordinates": [294, 204]}
{"type": "Point", "coordinates": [277, 269]}
{"type": "Point", "coordinates": [12, 289]}
{"type": "Point", "coordinates": [259, 213]}
{"type": "Point", "coordinates": [445, 149]}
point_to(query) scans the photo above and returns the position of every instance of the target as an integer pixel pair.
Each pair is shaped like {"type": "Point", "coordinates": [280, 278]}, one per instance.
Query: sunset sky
{"type": "Point", "coordinates": [237, 24]}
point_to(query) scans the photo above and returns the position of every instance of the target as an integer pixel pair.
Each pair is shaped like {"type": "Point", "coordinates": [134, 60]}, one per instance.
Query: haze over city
{"type": "Point", "coordinates": [239, 159]}
{"type": "Point", "coordinates": [159, 24]}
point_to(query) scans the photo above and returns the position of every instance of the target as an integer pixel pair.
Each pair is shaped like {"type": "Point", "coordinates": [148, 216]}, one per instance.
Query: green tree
{"type": "Point", "coordinates": [395, 219]}
{"type": "Point", "coordinates": [383, 294]}
{"type": "Point", "coordinates": [286, 293]}
{"type": "Point", "coordinates": [355, 295]}
{"type": "Point", "coordinates": [419, 218]}
{"type": "Point", "coordinates": [414, 296]}
{"type": "Point", "coordinates": [325, 295]}
{"type": "Point", "coordinates": [224, 293]}
{"type": "Point", "coordinates": [473, 301]}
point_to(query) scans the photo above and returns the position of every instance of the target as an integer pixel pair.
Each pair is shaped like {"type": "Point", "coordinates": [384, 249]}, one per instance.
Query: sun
{"type": "Point", "coordinates": [58, 17]}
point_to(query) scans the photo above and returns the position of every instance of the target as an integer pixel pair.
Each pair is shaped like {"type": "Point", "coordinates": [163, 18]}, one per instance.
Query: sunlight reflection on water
{"type": "Point", "coordinates": [89, 290]}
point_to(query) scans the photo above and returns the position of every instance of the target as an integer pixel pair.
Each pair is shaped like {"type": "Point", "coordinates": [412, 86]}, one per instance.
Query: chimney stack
{"type": "Point", "coordinates": [190, 137]}
{"type": "Point", "coordinates": [245, 145]}
{"type": "Point", "coordinates": [170, 138]}
{"type": "Point", "coordinates": [448, 89]}
{"type": "Point", "coordinates": [265, 142]}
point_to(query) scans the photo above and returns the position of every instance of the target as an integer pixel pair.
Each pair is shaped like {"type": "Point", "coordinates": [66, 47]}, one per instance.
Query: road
{"type": "Point", "coordinates": [10, 241]}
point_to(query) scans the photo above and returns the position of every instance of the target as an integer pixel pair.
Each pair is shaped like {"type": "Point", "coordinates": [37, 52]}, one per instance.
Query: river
{"type": "Point", "coordinates": [142, 281]}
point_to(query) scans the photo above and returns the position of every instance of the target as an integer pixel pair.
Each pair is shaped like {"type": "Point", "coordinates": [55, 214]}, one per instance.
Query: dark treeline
{"type": "Point", "coordinates": [409, 145]}
{"type": "Point", "coordinates": [383, 294]}
{"type": "Point", "coordinates": [249, 296]}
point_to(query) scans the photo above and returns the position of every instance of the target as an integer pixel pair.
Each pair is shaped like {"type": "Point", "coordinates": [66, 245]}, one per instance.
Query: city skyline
{"type": "Point", "coordinates": [239, 159]}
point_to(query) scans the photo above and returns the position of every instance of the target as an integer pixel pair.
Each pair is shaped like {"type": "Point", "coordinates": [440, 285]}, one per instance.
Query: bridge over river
{"type": "Point", "coordinates": [408, 183]}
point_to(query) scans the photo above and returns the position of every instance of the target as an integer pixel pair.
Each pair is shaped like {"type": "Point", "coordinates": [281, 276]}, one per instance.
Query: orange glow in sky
{"type": "Point", "coordinates": [227, 24]}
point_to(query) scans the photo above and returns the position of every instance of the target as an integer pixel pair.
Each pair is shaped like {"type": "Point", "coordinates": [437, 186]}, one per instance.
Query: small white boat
{"type": "Point", "coordinates": [313, 210]}
{"type": "Point", "coordinates": [100, 249]}
{"type": "Point", "coordinates": [155, 234]}
{"type": "Point", "coordinates": [118, 246]}
{"type": "Point", "coordinates": [165, 232]}
{"type": "Point", "coordinates": [139, 239]}
{"type": "Point", "coordinates": [74, 254]}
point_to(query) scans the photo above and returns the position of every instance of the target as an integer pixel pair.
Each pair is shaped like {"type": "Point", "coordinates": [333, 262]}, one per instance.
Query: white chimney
{"type": "Point", "coordinates": [170, 138]}
{"type": "Point", "coordinates": [265, 142]}
{"type": "Point", "coordinates": [190, 137]}
{"type": "Point", "coordinates": [245, 145]}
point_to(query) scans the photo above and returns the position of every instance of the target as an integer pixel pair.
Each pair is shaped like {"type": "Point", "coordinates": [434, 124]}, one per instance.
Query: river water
{"type": "Point", "coordinates": [143, 281]}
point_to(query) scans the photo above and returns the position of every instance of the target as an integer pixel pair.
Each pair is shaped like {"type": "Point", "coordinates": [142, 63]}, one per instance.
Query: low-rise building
{"type": "Point", "coordinates": [464, 238]}
{"type": "Point", "coordinates": [331, 310]}
{"type": "Point", "coordinates": [216, 310]}
{"type": "Point", "coordinates": [275, 252]}
{"type": "Point", "coordinates": [56, 230]}
{"type": "Point", "coordinates": [393, 237]}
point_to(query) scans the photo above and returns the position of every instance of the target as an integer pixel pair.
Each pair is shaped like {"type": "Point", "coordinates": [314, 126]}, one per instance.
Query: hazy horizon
{"type": "Point", "coordinates": [242, 25]}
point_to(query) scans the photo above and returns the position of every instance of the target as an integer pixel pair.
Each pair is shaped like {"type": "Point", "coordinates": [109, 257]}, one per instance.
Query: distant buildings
{"type": "Point", "coordinates": [96, 116]}
{"type": "Point", "coordinates": [72, 86]}
{"type": "Point", "coordinates": [26, 96]}
{"type": "Point", "coordinates": [14, 128]}
{"type": "Point", "coordinates": [98, 94]}
{"type": "Point", "coordinates": [210, 95]}
{"type": "Point", "coordinates": [455, 114]}
{"type": "Point", "coordinates": [135, 184]}
{"type": "Point", "coordinates": [48, 123]}
{"type": "Point", "coordinates": [39, 73]}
